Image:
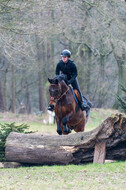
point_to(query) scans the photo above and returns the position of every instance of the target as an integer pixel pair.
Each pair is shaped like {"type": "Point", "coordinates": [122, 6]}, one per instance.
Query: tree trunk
{"type": "Point", "coordinates": [121, 59]}
{"type": "Point", "coordinates": [1, 98]}
{"type": "Point", "coordinates": [41, 92]}
{"type": "Point", "coordinates": [13, 102]}
{"type": "Point", "coordinates": [101, 81]}
{"type": "Point", "coordinates": [40, 59]}
{"type": "Point", "coordinates": [70, 149]}
{"type": "Point", "coordinates": [28, 99]}
{"type": "Point", "coordinates": [5, 91]}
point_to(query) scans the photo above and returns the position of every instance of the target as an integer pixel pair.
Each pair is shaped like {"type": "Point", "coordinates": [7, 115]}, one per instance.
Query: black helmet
{"type": "Point", "coordinates": [66, 53]}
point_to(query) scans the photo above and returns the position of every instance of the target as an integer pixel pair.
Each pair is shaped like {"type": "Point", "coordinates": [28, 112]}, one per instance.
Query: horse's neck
{"type": "Point", "coordinates": [64, 86]}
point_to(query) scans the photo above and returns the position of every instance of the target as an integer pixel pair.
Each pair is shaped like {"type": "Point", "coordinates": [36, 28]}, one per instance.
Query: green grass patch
{"type": "Point", "coordinates": [1, 116]}
{"type": "Point", "coordinates": [97, 116]}
{"type": "Point", "coordinates": [95, 119]}
{"type": "Point", "coordinates": [109, 176]}
{"type": "Point", "coordinates": [91, 176]}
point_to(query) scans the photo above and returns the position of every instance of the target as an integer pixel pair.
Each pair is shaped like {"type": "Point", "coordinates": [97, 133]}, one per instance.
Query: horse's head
{"type": "Point", "coordinates": [55, 88]}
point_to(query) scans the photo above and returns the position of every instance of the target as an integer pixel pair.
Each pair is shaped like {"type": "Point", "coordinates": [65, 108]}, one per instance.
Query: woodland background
{"type": "Point", "coordinates": [32, 36]}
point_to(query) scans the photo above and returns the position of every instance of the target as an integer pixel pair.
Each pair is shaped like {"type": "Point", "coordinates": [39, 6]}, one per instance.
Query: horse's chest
{"type": "Point", "coordinates": [62, 110]}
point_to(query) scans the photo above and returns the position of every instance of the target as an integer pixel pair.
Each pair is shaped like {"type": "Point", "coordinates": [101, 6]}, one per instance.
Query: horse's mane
{"type": "Point", "coordinates": [59, 78]}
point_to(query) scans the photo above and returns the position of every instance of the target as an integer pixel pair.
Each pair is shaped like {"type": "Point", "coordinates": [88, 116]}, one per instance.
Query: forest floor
{"type": "Point", "coordinates": [108, 176]}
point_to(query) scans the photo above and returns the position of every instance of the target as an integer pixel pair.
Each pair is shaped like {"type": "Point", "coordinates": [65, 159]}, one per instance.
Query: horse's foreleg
{"type": "Point", "coordinates": [66, 130]}
{"type": "Point", "coordinates": [65, 120]}
{"type": "Point", "coordinates": [68, 117]}
{"type": "Point", "coordinates": [59, 131]}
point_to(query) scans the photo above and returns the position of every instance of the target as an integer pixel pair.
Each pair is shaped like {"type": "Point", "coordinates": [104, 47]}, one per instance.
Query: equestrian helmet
{"type": "Point", "coordinates": [66, 53]}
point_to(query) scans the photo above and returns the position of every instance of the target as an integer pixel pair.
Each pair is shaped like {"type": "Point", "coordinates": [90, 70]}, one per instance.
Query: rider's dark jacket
{"type": "Point", "coordinates": [68, 69]}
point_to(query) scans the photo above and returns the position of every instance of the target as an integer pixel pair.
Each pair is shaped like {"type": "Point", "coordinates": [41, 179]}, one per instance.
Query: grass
{"type": "Point", "coordinates": [108, 176]}
{"type": "Point", "coordinates": [97, 116]}
{"type": "Point", "coordinates": [36, 122]}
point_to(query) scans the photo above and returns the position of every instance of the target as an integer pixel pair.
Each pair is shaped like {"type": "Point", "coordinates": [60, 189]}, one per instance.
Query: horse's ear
{"type": "Point", "coordinates": [50, 80]}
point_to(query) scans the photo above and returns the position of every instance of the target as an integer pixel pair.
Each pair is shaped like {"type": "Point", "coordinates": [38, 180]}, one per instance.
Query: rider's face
{"type": "Point", "coordinates": [65, 59]}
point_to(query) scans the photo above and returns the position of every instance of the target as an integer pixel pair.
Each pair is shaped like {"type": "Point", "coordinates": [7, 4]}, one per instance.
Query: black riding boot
{"type": "Point", "coordinates": [84, 106]}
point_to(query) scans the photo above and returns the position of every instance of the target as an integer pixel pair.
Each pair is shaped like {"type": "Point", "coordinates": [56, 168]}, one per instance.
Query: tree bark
{"type": "Point", "coordinates": [1, 98]}
{"type": "Point", "coordinates": [5, 91]}
{"type": "Point", "coordinates": [120, 59]}
{"type": "Point", "coordinates": [40, 59]}
{"type": "Point", "coordinates": [76, 148]}
{"type": "Point", "coordinates": [101, 81]}
{"type": "Point", "coordinates": [28, 98]}
{"type": "Point", "coordinates": [13, 102]}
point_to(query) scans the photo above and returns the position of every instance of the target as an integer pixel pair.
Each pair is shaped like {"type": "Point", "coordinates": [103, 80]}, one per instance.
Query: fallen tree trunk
{"type": "Point", "coordinates": [76, 148]}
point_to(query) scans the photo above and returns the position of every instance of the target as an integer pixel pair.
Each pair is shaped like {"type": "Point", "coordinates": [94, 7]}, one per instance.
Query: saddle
{"type": "Point", "coordinates": [78, 98]}
{"type": "Point", "coordinates": [77, 94]}
{"type": "Point", "coordinates": [85, 100]}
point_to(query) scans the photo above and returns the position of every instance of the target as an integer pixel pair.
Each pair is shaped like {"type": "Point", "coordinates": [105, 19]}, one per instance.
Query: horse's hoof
{"type": "Point", "coordinates": [67, 130]}
{"type": "Point", "coordinates": [59, 132]}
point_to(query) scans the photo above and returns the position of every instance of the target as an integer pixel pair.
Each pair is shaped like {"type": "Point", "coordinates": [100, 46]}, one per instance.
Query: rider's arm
{"type": "Point", "coordinates": [58, 69]}
{"type": "Point", "coordinates": [74, 74]}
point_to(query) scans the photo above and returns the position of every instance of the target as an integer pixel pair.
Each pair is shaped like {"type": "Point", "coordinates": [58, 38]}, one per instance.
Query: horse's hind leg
{"type": "Point", "coordinates": [81, 126]}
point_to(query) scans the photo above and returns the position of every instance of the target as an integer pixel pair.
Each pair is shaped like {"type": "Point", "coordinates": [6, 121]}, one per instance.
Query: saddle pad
{"type": "Point", "coordinates": [77, 94]}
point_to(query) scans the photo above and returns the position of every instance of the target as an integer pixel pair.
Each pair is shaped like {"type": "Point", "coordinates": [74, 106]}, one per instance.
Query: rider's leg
{"type": "Point", "coordinates": [83, 103]}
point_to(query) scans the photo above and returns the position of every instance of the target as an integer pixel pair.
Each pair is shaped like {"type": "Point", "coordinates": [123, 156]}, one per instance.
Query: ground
{"type": "Point", "coordinates": [108, 176]}
{"type": "Point", "coordinates": [40, 122]}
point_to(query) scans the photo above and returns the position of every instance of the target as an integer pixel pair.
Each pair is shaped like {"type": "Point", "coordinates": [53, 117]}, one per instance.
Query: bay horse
{"type": "Point", "coordinates": [67, 112]}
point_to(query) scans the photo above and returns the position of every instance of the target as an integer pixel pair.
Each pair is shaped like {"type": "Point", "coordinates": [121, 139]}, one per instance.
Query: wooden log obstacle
{"type": "Point", "coordinates": [108, 141]}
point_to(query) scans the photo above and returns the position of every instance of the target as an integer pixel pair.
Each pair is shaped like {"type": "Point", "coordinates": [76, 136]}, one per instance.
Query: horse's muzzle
{"type": "Point", "coordinates": [51, 107]}
{"type": "Point", "coordinates": [52, 102]}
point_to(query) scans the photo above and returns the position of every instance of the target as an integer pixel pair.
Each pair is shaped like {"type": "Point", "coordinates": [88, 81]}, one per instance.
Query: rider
{"type": "Point", "coordinates": [68, 67]}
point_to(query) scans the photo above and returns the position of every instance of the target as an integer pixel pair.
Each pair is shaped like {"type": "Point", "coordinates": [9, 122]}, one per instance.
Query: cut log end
{"type": "Point", "coordinates": [100, 153]}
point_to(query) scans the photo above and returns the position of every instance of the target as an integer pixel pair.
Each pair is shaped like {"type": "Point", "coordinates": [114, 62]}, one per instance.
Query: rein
{"type": "Point", "coordinates": [63, 94]}
{"type": "Point", "coordinates": [59, 96]}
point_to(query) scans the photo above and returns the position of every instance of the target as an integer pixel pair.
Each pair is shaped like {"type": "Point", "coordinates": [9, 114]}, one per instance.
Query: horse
{"type": "Point", "coordinates": [67, 112]}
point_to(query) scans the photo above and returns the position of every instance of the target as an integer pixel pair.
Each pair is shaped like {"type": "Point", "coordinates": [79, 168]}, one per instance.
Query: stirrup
{"type": "Point", "coordinates": [84, 107]}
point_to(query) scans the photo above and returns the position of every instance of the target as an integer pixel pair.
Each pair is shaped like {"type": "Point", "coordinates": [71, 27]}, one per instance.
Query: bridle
{"type": "Point", "coordinates": [59, 96]}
